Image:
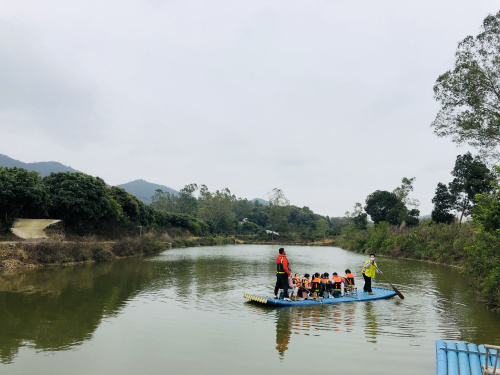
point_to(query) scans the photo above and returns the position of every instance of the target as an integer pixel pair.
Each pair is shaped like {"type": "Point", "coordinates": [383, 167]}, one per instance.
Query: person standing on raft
{"type": "Point", "coordinates": [368, 272]}
{"type": "Point", "coordinates": [282, 274]}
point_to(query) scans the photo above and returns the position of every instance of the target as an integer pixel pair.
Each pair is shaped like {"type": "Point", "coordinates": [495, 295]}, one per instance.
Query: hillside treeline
{"type": "Point", "coordinates": [230, 214]}
{"type": "Point", "coordinates": [88, 206]}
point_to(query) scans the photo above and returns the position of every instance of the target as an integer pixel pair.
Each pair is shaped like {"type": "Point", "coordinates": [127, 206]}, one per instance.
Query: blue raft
{"type": "Point", "coordinates": [466, 359]}
{"type": "Point", "coordinates": [380, 293]}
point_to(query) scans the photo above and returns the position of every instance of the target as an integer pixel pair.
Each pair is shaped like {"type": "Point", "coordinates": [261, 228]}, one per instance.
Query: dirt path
{"type": "Point", "coordinates": [32, 228]}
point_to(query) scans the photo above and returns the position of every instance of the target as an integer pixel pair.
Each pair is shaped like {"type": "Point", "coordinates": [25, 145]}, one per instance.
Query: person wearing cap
{"type": "Point", "coordinates": [368, 272]}
{"type": "Point", "coordinates": [282, 274]}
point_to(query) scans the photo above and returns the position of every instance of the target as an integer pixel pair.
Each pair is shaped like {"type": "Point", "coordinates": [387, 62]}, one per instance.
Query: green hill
{"type": "Point", "coordinates": [144, 190]}
{"type": "Point", "coordinates": [44, 168]}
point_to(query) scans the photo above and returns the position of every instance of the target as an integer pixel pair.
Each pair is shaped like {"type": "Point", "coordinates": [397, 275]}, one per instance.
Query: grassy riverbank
{"type": "Point", "coordinates": [54, 251]}
{"type": "Point", "coordinates": [28, 254]}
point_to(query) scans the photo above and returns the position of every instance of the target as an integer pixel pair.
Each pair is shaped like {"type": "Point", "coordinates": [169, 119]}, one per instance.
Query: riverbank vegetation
{"type": "Point", "coordinates": [100, 222]}
{"type": "Point", "coordinates": [88, 207]}
{"type": "Point", "coordinates": [463, 231]}
{"type": "Point", "coordinates": [464, 228]}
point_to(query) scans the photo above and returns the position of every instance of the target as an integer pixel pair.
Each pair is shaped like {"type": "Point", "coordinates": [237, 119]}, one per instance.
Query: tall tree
{"type": "Point", "coordinates": [279, 209]}
{"type": "Point", "coordinates": [164, 201]}
{"type": "Point", "coordinates": [187, 202]}
{"type": "Point", "coordinates": [403, 192]}
{"type": "Point", "coordinates": [358, 217]}
{"type": "Point", "coordinates": [77, 198]}
{"type": "Point", "coordinates": [472, 177]}
{"type": "Point", "coordinates": [218, 207]}
{"type": "Point", "coordinates": [22, 193]}
{"type": "Point", "coordinates": [129, 203]}
{"type": "Point", "coordinates": [442, 200]}
{"type": "Point", "coordinates": [470, 93]}
{"type": "Point", "coordinates": [487, 210]}
{"type": "Point", "coordinates": [383, 205]}
{"type": "Point", "coordinates": [322, 225]}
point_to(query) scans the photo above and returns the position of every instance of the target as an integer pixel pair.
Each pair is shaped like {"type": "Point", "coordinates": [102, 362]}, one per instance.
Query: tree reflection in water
{"type": "Point", "coordinates": [58, 308]}
{"type": "Point", "coordinates": [371, 326]}
{"type": "Point", "coordinates": [310, 320]}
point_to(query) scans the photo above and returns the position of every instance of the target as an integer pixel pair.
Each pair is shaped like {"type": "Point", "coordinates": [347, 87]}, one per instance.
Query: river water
{"type": "Point", "coordinates": [183, 312]}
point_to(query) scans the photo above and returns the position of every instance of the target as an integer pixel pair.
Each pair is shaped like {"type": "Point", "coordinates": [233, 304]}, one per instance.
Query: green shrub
{"type": "Point", "coordinates": [101, 255]}
{"type": "Point", "coordinates": [153, 247]}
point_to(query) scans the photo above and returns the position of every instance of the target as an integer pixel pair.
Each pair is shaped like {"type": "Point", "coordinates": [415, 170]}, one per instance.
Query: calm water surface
{"type": "Point", "coordinates": [183, 312]}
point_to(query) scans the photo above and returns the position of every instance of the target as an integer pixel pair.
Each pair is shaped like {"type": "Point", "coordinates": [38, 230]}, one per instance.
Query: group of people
{"type": "Point", "coordinates": [319, 285]}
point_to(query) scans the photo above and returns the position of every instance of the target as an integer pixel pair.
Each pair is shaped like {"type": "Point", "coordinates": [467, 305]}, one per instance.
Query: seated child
{"type": "Point", "coordinates": [336, 285]}
{"type": "Point", "coordinates": [296, 283]}
{"type": "Point", "coordinates": [305, 287]}
{"type": "Point", "coordinates": [325, 279]}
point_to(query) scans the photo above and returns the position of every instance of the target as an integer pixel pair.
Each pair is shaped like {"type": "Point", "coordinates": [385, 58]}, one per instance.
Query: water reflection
{"type": "Point", "coordinates": [371, 326]}
{"type": "Point", "coordinates": [58, 308]}
{"type": "Point", "coordinates": [283, 331]}
{"type": "Point", "coordinates": [186, 300]}
{"type": "Point", "coordinates": [314, 321]}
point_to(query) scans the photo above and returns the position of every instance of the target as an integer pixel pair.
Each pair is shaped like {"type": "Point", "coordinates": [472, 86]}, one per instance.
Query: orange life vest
{"type": "Point", "coordinates": [315, 284]}
{"type": "Point", "coordinates": [337, 283]}
{"type": "Point", "coordinates": [296, 280]}
{"type": "Point", "coordinates": [305, 282]}
{"type": "Point", "coordinates": [349, 277]}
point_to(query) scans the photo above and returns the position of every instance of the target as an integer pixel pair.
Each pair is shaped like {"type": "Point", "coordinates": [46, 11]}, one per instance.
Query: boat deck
{"type": "Point", "coordinates": [380, 293]}
{"type": "Point", "coordinates": [461, 358]}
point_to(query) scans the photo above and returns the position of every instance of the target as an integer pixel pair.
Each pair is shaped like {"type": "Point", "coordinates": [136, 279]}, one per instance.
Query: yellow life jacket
{"type": "Point", "coordinates": [369, 268]}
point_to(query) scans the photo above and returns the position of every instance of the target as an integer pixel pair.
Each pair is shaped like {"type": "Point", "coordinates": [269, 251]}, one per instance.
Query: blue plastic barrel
{"type": "Point", "coordinates": [475, 366]}
{"type": "Point", "coordinates": [452, 358]}
{"type": "Point", "coordinates": [463, 359]}
{"type": "Point", "coordinates": [482, 357]}
{"type": "Point", "coordinates": [441, 366]}
{"type": "Point", "coordinates": [492, 358]}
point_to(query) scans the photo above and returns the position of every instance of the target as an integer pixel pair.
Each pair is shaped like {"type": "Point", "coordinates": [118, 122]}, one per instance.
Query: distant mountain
{"type": "Point", "coordinates": [144, 190]}
{"type": "Point", "coordinates": [44, 168]}
{"type": "Point", "coordinates": [261, 201]}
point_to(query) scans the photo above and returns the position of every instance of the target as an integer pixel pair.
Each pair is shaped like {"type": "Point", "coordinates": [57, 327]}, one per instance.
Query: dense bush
{"type": "Point", "coordinates": [99, 254]}
{"type": "Point", "coordinates": [430, 241]}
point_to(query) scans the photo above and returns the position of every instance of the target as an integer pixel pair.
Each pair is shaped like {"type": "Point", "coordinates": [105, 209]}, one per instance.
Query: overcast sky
{"type": "Point", "coordinates": [327, 100]}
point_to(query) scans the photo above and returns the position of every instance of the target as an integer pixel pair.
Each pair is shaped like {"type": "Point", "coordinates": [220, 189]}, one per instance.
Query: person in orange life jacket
{"type": "Point", "coordinates": [348, 279]}
{"type": "Point", "coordinates": [369, 273]}
{"type": "Point", "coordinates": [282, 273]}
{"type": "Point", "coordinates": [296, 283]}
{"type": "Point", "coordinates": [305, 287]}
{"type": "Point", "coordinates": [325, 279]}
{"type": "Point", "coordinates": [336, 285]}
{"type": "Point", "coordinates": [316, 284]}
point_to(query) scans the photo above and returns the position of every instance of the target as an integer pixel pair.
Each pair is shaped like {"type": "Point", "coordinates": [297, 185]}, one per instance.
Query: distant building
{"type": "Point", "coordinates": [245, 220]}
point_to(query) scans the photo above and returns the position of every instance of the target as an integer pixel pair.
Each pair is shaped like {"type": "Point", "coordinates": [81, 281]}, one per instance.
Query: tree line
{"type": "Point", "coordinates": [84, 203]}
{"type": "Point", "coordinates": [88, 206]}
{"type": "Point", "coordinates": [229, 214]}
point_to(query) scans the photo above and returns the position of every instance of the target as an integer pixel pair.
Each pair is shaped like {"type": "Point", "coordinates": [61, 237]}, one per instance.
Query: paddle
{"type": "Point", "coordinates": [393, 287]}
